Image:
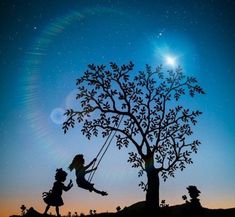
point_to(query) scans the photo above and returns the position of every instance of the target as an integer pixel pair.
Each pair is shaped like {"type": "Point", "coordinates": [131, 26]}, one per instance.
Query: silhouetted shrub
{"type": "Point", "coordinates": [118, 208]}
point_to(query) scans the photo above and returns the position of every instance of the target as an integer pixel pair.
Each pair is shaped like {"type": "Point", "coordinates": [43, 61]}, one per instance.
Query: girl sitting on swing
{"type": "Point", "coordinates": [81, 171]}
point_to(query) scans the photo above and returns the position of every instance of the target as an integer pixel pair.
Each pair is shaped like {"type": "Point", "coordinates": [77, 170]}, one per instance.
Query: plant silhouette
{"type": "Point", "coordinates": [118, 208]}
{"type": "Point", "coordinates": [23, 209]}
{"type": "Point", "coordinates": [154, 121]}
{"type": "Point", "coordinates": [54, 196]}
{"type": "Point", "coordinates": [81, 171]}
{"type": "Point", "coordinates": [163, 204]}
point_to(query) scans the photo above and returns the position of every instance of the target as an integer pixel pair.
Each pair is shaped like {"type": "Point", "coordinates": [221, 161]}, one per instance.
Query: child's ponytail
{"type": "Point", "coordinates": [76, 162]}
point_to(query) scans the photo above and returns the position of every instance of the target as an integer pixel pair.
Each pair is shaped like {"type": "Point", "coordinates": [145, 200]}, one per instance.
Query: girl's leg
{"type": "Point", "coordinates": [47, 208]}
{"type": "Point", "coordinates": [57, 210]}
{"type": "Point", "coordinates": [89, 186]}
{"type": "Point", "coordinates": [103, 193]}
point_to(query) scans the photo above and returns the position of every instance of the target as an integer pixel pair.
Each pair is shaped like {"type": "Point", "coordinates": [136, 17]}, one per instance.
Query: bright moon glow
{"type": "Point", "coordinates": [170, 60]}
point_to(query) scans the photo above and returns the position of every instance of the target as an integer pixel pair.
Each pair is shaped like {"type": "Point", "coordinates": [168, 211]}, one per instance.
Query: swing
{"type": "Point", "coordinates": [104, 149]}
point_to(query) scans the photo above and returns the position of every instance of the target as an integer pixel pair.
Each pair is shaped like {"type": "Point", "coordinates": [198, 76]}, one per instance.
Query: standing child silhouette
{"type": "Point", "coordinates": [81, 171]}
{"type": "Point", "coordinates": [53, 198]}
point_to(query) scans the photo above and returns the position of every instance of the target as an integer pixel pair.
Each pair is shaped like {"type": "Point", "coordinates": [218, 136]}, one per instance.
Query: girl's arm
{"type": "Point", "coordinates": [70, 185]}
{"type": "Point", "coordinates": [88, 171]}
{"type": "Point", "coordinates": [87, 166]}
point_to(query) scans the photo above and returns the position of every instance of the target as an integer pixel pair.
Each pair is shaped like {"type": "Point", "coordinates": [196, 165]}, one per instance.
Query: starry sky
{"type": "Point", "coordinates": [46, 45]}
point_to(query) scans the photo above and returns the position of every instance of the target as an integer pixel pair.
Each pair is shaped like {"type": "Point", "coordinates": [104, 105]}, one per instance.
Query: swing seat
{"type": "Point", "coordinates": [85, 184]}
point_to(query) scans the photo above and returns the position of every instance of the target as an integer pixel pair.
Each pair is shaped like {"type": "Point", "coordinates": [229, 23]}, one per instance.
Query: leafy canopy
{"type": "Point", "coordinates": [147, 103]}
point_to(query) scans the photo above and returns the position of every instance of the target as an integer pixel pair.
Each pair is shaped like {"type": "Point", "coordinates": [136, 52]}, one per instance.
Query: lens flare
{"type": "Point", "coordinates": [36, 115]}
{"type": "Point", "coordinates": [57, 115]}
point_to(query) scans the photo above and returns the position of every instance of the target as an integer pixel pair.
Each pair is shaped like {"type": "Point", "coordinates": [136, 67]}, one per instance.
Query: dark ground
{"type": "Point", "coordinates": [139, 210]}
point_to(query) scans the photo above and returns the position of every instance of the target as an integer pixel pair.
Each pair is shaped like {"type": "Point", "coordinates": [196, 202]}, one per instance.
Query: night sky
{"type": "Point", "coordinates": [46, 45]}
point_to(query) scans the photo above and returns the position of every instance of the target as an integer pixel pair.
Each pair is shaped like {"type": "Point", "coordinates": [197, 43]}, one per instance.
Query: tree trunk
{"type": "Point", "coordinates": [152, 196]}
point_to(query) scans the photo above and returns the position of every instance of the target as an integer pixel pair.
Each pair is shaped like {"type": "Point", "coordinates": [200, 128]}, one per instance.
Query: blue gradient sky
{"type": "Point", "coordinates": [46, 45]}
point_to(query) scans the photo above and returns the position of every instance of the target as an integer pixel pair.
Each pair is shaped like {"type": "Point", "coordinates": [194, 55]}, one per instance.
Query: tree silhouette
{"type": "Point", "coordinates": [146, 102]}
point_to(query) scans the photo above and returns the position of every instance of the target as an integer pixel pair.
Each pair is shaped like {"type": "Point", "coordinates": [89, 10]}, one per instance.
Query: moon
{"type": "Point", "coordinates": [170, 60]}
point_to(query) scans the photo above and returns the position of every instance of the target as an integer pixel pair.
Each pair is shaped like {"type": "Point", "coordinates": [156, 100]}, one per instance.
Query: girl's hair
{"type": "Point", "coordinates": [77, 162]}
{"type": "Point", "coordinates": [60, 175]}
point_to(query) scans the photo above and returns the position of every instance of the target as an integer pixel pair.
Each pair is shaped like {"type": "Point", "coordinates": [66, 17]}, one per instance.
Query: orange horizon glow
{"type": "Point", "coordinates": [10, 207]}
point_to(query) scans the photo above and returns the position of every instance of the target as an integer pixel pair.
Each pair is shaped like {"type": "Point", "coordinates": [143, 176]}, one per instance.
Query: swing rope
{"type": "Point", "coordinates": [105, 150]}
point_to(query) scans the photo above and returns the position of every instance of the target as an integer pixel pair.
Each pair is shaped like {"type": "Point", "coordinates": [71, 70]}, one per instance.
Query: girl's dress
{"type": "Point", "coordinates": [54, 197]}
{"type": "Point", "coordinates": [81, 181]}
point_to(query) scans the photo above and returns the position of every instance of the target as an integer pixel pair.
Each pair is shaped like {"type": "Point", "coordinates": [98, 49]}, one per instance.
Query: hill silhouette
{"type": "Point", "coordinates": [139, 210]}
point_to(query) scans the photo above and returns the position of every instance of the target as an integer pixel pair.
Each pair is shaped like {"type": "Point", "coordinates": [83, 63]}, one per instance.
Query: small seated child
{"type": "Point", "coordinates": [81, 171]}
{"type": "Point", "coordinates": [54, 196]}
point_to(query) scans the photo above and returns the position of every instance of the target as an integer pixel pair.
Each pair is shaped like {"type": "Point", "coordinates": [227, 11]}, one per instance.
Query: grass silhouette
{"type": "Point", "coordinates": [139, 210]}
